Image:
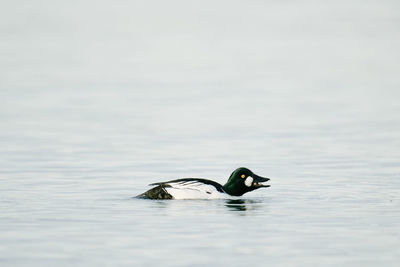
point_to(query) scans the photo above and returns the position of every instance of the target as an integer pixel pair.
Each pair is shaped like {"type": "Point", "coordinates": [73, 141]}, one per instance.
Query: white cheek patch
{"type": "Point", "coordinates": [249, 181]}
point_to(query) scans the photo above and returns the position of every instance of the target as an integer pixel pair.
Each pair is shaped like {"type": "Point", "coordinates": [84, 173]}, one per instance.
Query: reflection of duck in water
{"type": "Point", "coordinates": [236, 204]}
{"type": "Point", "coordinates": [241, 181]}
{"type": "Point", "coordinates": [241, 204]}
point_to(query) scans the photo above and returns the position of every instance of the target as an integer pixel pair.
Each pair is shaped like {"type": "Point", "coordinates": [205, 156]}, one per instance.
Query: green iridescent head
{"type": "Point", "coordinates": [242, 180]}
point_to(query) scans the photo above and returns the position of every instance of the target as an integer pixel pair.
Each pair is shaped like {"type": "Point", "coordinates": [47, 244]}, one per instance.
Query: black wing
{"type": "Point", "coordinates": [190, 181]}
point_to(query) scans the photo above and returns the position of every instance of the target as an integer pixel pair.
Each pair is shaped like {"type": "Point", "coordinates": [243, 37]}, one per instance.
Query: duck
{"type": "Point", "coordinates": [241, 181]}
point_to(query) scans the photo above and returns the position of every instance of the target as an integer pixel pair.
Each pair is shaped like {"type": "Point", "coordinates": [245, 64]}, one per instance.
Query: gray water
{"type": "Point", "coordinates": [98, 99]}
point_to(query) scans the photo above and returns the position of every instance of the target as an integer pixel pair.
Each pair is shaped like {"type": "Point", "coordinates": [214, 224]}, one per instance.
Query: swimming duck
{"type": "Point", "coordinates": [241, 181]}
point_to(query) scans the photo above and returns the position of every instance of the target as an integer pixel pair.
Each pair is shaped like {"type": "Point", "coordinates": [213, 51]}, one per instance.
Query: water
{"type": "Point", "coordinates": [99, 99]}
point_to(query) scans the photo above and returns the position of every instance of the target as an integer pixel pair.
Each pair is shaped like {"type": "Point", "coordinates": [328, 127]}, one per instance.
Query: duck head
{"type": "Point", "coordinates": [242, 180]}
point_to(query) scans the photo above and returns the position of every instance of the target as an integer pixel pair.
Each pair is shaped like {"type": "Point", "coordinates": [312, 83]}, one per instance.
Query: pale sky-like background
{"type": "Point", "coordinates": [100, 98]}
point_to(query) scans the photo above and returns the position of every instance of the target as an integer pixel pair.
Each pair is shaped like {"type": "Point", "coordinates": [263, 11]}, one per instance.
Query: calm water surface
{"type": "Point", "coordinates": [99, 99]}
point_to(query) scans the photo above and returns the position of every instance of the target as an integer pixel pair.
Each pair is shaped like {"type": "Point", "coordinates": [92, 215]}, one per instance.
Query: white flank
{"type": "Point", "coordinates": [194, 190]}
{"type": "Point", "coordinates": [249, 181]}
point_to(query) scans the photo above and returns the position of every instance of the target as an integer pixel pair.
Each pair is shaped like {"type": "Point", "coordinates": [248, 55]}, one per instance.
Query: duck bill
{"type": "Point", "coordinates": [258, 180]}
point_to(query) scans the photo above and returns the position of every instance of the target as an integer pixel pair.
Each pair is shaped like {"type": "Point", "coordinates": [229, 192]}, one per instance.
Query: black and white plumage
{"type": "Point", "coordinates": [242, 180]}
{"type": "Point", "coordinates": [186, 188]}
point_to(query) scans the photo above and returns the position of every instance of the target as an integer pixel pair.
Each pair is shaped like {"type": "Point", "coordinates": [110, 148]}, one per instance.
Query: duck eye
{"type": "Point", "coordinates": [243, 176]}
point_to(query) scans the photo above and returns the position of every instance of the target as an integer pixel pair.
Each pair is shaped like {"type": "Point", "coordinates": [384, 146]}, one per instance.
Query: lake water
{"type": "Point", "coordinates": [98, 99]}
